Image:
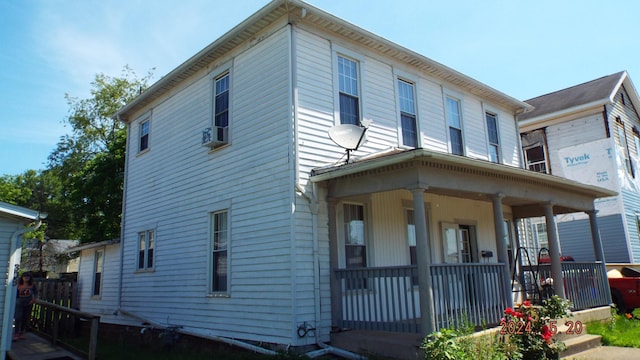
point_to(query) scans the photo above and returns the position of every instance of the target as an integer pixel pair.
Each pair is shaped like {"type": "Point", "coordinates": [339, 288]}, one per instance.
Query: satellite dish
{"type": "Point", "coordinates": [348, 136]}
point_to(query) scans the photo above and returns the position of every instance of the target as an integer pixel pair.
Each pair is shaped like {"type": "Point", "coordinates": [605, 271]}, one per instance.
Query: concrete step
{"type": "Point", "coordinates": [580, 343]}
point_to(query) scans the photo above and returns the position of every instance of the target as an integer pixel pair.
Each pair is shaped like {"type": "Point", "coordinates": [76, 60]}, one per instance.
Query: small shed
{"type": "Point", "coordinates": [13, 224]}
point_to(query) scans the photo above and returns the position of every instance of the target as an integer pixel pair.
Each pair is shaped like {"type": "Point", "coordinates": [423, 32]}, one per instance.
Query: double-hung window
{"type": "Point", "coordinates": [146, 245]}
{"type": "Point", "coordinates": [355, 243]}
{"type": "Point", "coordinates": [406, 99]}
{"type": "Point", "coordinates": [144, 135]}
{"type": "Point", "coordinates": [411, 237]}
{"type": "Point", "coordinates": [454, 123]}
{"type": "Point", "coordinates": [219, 251]}
{"type": "Point", "coordinates": [221, 107]}
{"type": "Point", "coordinates": [492, 135]}
{"type": "Point", "coordinates": [348, 91]}
{"type": "Point", "coordinates": [98, 266]}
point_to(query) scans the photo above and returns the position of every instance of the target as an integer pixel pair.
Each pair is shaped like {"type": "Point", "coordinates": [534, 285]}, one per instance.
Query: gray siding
{"type": "Point", "coordinates": [631, 204]}
{"type": "Point", "coordinates": [575, 239]}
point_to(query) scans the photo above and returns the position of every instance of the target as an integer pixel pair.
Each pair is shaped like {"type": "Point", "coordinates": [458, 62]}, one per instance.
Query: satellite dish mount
{"type": "Point", "coordinates": [349, 136]}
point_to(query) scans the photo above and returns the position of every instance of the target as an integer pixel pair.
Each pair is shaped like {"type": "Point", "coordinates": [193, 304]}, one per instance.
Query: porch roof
{"type": "Point", "coordinates": [526, 192]}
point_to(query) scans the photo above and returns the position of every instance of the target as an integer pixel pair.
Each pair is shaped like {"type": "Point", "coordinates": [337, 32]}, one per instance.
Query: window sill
{"type": "Point", "coordinates": [145, 270]}
{"type": "Point", "coordinates": [218, 296]}
{"type": "Point", "coordinates": [140, 153]}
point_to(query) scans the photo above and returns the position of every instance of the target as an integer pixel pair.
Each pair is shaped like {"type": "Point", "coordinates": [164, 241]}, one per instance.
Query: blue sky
{"type": "Point", "coordinates": [49, 48]}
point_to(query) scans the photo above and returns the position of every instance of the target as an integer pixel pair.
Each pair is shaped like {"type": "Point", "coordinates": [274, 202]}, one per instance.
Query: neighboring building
{"type": "Point", "coordinates": [13, 220]}
{"type": "Point", "coordinates": [591, 133]}
{"type": "Point", "coordinates": [242, 220]}
{"type": "Point", "coordinates": [49, 258]}
{"type": "Point", "coordinates": [98, 275]}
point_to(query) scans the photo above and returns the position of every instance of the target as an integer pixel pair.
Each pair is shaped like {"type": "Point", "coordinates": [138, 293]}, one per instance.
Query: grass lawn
{"type": "Point", "coordinates": [620, 331]}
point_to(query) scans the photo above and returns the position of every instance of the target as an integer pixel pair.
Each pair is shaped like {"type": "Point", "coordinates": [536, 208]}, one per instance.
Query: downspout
{"type": "Point", "coordinates": [122, 219]}
{"type": "Point", "coordinates": [10, 295]}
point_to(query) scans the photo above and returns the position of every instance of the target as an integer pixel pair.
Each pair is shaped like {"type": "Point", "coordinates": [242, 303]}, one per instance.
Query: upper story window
{"type": "Point", "coordinates": [492, 135]}
{"type": "Point", "coordinates": [621, 140]}
{"type": "Point", "coordinates": [408, 123]}
{"type": "Point", "coordinates": [219, 255]}
{"type": "Point", "coordinates": [221, 109]}
{"type": "Point", "coordinates": [144, 135]}
{"type": "Point", "coordinates": [146, 245]}
{"type": "Point", "coordinates": [536, 159]}
{"type": "Point", "coordinates": [454, 123]}
{"type": "Point", "coordinates": [348, 90]}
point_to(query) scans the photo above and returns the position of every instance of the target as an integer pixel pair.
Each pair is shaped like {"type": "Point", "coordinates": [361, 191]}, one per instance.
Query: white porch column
{"type": "Point", "coordinates": [423, 257]}
{"type": "Point", "coordinates": [595, 235]}
{"type": "Point", "coordinates": [501, 246]}
{"type": "Point", "coordinates": [554, 251]}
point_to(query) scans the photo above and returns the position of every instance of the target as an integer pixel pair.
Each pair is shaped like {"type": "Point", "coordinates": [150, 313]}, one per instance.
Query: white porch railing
{"type": "Point", "coordinates": [387, 299]}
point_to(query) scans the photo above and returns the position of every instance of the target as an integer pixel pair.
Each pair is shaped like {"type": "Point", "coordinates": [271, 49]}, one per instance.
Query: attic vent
{"type": "Point", "coordinates": [216, 136]}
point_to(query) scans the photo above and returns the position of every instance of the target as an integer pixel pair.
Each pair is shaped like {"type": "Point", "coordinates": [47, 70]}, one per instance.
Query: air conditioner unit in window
{"type": "Point", "coordinates": [215, 136]}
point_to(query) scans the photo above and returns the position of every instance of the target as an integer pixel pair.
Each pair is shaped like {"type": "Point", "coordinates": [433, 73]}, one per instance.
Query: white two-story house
{"type": "Point", "coordinates": [591, 133]}
{"type": "Point", "coordinates": [243, 218]}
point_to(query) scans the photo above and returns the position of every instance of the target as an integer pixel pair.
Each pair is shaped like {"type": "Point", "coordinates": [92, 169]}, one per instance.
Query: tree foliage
{"type": "Point", "coordinates": [81, 188]}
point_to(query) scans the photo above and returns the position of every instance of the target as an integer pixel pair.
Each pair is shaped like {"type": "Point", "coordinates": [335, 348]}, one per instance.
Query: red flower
{"type": "Point", "coordinates": [546, 333]}
{"type": "Point", "coordinates": [526, 303]}
{"type": "Point", "coordinates": [509, 311]}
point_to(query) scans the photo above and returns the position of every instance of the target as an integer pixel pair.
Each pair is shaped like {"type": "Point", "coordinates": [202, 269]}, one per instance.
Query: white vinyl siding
{"type": "Point", "coordinates": [254, 176]}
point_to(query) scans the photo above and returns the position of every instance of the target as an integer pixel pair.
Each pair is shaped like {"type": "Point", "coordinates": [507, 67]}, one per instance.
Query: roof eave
{"type": "Point", "coordinates": [348, 169]}
{"type": "Point", "coordinates": [278, 8]}
{"type": "Point", "coordinates": [563, 112]}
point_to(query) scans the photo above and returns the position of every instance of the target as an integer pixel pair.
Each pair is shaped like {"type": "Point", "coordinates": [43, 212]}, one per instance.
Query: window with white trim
{"type": "Point", "coordinates": [408, 123]}
{"type": "Point", "coordinates": [146, 245]}
{"type": "Point", "coordinates": [348, 89]}
{"type": "Point", "coordinates": [143, 143]}
{"type": "Point", "coordinates": [355, 245]}
{"type": "Point", "coordinates": [98, 267]}
{"type": "Point", "coordinates": [219, 251]}
{"type": "Point", "coordinates": [411, 238]}
{"type": "Point", "coordinates": [454, 123]}
{"type": "Point", "coordinates": [492, 136]}
{"type": "Point", "coordinates": [536, 159]}
{"type": "Point", "coordinates": [221, 106]}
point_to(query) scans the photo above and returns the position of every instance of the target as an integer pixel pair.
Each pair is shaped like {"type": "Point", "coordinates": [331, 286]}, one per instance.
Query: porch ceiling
{"type": "Point", "coordinates": [526, 192]}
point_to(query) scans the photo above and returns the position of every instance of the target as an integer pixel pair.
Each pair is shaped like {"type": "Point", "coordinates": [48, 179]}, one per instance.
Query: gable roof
{"type": "Point", "coordinates": [301, 12]}
{"type": "Point", "coordinates": [590, 94]}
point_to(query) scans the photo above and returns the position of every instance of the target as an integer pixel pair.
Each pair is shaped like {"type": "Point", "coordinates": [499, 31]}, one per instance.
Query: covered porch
{"type": "Point", "coordinates": [421, 240]}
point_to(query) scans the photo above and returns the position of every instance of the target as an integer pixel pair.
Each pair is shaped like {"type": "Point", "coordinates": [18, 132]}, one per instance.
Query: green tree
{"type": "Point", "coordinates": [89, 162]}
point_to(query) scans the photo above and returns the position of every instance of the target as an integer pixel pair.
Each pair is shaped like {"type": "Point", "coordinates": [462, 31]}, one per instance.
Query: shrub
{"type": "Point", "coordinates": [526, 332]}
